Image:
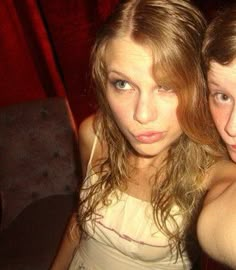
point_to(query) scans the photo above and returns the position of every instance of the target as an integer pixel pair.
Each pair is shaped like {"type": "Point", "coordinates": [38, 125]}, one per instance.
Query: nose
{"type": "Point", "coordinates": [146, 109]}
{"type": "Point", "coordinates": [230, 127]}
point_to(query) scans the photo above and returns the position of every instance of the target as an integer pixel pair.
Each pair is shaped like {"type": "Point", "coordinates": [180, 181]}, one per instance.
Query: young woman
{"type": "Point", "coordinates": [219, 55]}
{"type": "Point", "coordinates": [150, 153]}
{"type": "Point", "coordinates": [220, 62]}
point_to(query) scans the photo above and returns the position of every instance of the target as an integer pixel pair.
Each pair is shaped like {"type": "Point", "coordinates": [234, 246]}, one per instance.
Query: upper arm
{"type": "Point", "coordinates": [86, 137]}
{"type": "Point", "coordinates": [216, 227]}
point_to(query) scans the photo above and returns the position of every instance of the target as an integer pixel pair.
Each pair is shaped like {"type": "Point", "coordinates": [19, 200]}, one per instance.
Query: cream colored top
{"type": "Point", "coordinates": [125, 237]}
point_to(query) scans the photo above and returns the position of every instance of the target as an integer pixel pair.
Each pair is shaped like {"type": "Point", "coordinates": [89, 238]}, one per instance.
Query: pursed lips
{"type": "Point", "coordinates": [149, 137]}
{"type": "Point", "coordinates": [233, 146]}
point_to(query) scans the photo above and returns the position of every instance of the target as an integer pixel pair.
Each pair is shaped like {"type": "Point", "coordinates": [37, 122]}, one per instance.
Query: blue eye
{"type": "Point", "coordinates": [121, 85]}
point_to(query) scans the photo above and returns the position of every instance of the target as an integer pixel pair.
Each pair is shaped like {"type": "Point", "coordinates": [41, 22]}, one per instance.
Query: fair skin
{"type": "Point", "coordinates": [222, 99]}
{"type": "Point", "coordinates": [144, 109]}
{"type": "Point", "coordinates": [216, 226]}
{"type": "Point", "coordinates": [146, 113]}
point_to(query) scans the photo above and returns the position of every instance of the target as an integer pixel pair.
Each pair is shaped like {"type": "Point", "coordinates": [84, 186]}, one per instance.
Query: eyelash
{"type": "Point", "coordinates": [165, 89]}
{"type": "Point", "coordinates": [117, 81]}
{"type": "Point", "coordinates": [218, 97]}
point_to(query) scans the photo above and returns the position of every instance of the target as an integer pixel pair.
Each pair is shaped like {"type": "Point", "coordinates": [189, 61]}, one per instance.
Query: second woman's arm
{"type": "Point", "coordinates": [216, 226]}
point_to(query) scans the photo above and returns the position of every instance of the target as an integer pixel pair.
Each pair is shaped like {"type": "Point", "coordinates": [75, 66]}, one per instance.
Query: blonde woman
{"type": "Point", "coordinates": [150, 153]}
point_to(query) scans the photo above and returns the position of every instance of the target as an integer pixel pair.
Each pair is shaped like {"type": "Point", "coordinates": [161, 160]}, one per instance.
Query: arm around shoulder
{"type": "Point", "coordinates": [216, 226]}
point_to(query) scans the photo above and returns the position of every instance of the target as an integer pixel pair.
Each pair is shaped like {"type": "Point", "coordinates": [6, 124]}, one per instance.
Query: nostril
{"type": "Point", "coordinates": [145, 113]}
{"type": "Point", "coordinates": [230, 128]}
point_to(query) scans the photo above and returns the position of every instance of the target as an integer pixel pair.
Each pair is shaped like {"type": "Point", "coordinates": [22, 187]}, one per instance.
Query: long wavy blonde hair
{"type": "Point", "coordinates": [174, 31]}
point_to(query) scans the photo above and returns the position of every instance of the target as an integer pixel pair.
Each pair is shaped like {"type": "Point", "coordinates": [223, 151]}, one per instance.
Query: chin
{"type": "Point", "coordinates": [148, 151]}
{"type": "Point", "coordinates": [233, 156]}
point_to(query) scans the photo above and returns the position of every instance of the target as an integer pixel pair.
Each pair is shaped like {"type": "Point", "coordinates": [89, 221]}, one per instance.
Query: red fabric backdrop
{"type": "Point", "coordinates": [27, 69]}
{"type": "Point", "coordinates": [44, 50]}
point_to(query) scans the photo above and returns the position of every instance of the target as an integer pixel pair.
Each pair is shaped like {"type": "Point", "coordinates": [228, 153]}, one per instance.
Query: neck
{"type": "Point", "coordinates": [145, 162]}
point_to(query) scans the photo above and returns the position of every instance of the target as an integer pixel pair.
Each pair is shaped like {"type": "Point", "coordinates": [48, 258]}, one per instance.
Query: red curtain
{"type": "Point", "coordinates": [28, 70]}
{"type": "Point", "coordinates": [73, 25]}
{"type": "Point", "coordinates": [45, 47]}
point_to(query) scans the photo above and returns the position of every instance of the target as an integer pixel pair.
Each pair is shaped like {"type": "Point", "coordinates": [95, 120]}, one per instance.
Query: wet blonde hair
{"type": "Point", "coordinates": [173, 30]}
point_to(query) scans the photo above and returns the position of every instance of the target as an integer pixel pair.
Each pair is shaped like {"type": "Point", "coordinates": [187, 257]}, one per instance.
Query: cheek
{"type": "Point", "coordinates": [119, 109]}
{"type": "Point", "coordinates": [173, 112]}
{"type": "Point", "coordinates": [214, 112]}
{"type": "Point", "coordinates": [219, 116]}
{"type": "Point", "coordinates": [115, 105]}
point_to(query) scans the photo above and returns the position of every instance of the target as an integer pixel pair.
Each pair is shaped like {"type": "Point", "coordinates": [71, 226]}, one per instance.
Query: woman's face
{"type": "Point", "coordinates": [144, 108]}
{"type": "Point", "coordinates": [222, 87]}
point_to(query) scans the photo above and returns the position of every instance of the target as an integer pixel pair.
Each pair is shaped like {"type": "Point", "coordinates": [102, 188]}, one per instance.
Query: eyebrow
{"type": "Point", "coordinates": [128, 78]}
{"type": "Point", "coordinates": [115, 71]}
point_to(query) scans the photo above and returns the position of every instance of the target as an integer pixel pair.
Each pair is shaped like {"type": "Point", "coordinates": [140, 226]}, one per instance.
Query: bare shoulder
{"type": "Point", "coordinates": [216, 222]}
{"type": "Point", "coordinates": [224, 169]}
{"type": "Point", "coordinates": [221, 176]}
{"type": "Point", "coordinates": [86, 136]}
{"type": "Point", "coordinates": [86, 130]}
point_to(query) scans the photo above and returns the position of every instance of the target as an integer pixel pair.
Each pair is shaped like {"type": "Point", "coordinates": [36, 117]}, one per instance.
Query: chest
{"type": "Point", "coordinates": [127, 225]}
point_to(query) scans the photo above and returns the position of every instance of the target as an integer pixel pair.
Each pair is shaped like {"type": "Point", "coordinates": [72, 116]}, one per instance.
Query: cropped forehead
{"type": "Point", "coordinates": [217, 70]}
{"type": "Point", "coordinates": [223, 76]}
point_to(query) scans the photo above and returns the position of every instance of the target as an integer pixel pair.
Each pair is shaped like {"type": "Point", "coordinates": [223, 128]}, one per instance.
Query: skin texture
{"type": "Point", "coordinates": [144, 108]}
{"type": "Point", "coordinates": [222, 87]}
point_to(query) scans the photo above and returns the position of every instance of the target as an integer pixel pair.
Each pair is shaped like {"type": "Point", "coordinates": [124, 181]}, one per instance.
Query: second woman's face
{"type": "Point", "coordinates": [144, 108]}
{"type": "Point", "coordinates": [222, 100]}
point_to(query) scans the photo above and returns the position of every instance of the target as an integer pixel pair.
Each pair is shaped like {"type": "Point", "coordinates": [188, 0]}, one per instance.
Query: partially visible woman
{"type": "Point", "coordinates": [219, 51]}
{"type": "Point", "coordinates": [219, 55]}
{"type": "Point", "coordinates": [151, 152]}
